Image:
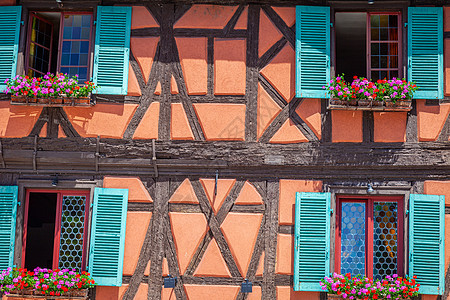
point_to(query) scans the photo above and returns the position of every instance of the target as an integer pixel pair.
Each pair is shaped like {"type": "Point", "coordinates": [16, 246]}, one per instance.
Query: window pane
{"type": "Point", "coordinates": [72, 232]}
{"type": "Point", "coordinates": [353, 231]}
{"type": "Point", "coordinates": [384, 239]}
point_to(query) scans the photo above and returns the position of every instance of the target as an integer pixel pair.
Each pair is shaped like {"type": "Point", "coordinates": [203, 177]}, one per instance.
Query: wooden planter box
{"type": "Point", "coordinates": [368, 104]}
{"type": "Point", "coordinates": [63, 101]}
{"type": "Point", "coordinates": [30, 294]}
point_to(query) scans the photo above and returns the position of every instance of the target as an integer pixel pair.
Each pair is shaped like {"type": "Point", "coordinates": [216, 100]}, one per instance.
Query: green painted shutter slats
{"type": "Point", "coordinates": [9, 42]}
{"type": "Point", "coordinates": [108, 236]}
{"type": "Point", "coordinates": [312, 51]}
{"type": "Point", "coordinates": [8, 213]}
{"type": "Point", "coordinates": [426, 242]}
{"type": "Point", "coordinates": [425, 51]}
{"type": "Point", "coordinates": [312, 240]}
{"type": "Point", "coordinates": [112, 49]}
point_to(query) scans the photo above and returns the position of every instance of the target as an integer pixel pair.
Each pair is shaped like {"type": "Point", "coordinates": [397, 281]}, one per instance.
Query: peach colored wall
{"type": "Point", "coordinates": [431, 120]}
{"type": "Point", "coordinates": [346, 126]}
{"type": "Point", "coordinates": [17, 121]}
{"type": "Point", "coordinates": [389, 127]}
{"type": "Point", "coordinates": [229, 66]}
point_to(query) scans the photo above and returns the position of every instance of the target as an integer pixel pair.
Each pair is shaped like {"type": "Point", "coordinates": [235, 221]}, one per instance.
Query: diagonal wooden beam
{"type": "Point", "coordinates": [280, 24]}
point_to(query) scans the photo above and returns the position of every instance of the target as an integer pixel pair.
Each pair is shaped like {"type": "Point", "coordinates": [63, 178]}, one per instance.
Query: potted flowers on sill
{"type": "Point", "coordinates": [49, 89]}
{"type": "Point", "coordinates": [363, 92]}
{"type": "Point", "coordinates": [358, 287]}
{"type": "Point", "coordinates": [45, 282]}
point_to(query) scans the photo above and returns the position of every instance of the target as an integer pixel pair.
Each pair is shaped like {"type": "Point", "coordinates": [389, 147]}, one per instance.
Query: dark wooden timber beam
{"type": "Point", "coordinates": [313, 160]}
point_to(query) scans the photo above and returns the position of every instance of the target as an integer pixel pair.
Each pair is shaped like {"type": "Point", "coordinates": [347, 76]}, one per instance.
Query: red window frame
{"type": "Point", "coordinates": [57, 234]}
{"type": "Point", "coordinates": [369, 200]}
{"type": "Point", "coordinates": [398, 41]}
{"type": "Point", "coordinates": [60, 39]}
{"type": "Point", "coordinates": [30, 24]}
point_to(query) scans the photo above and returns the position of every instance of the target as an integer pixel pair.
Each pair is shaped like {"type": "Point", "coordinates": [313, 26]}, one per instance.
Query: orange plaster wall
{"type": "Point", "coordinates": [116, 293]}
{"type": "Point", "coordinates": [434, 187]}
{"type": "Point", "coordinates": [229, 66]}
{"type": "Point", "coordinates": [141, 18]}
{"type": "Point", "coordinates": [267, 110]}
{"type": "Point", "coordinates": [280, 72]}
{"type": "Point", "coordinates": [346, 126]}
{"type": "Point", "coordinates": [7, 2]}
{"type": "Point", "coordinates": [133, 84]}
{"type": "Point", "coordinates": [206, 16]}
{"type": "Point", "coordinates": [286, 13]}
{"type": "Point", "coordinates": [221, 121]}
{"type": "Point", "coordinates": [268, 34]}
{"type": "Point", "coordinates": [287, 293]}
{"type": "Point", "coordinates": [285, 254]}
{"type": "Point", "coordinates": [148, 128]}
{"type": "Point", "coordinates": [136, 189]}
{"type": "Point", "coordinates": [179, 126]}
{"type": "Point", "coordinates": [137, 225]}
{"type": "Point", "coordinates": [216, 292]}
{"type": "Point", "coordinates": [105, 120]}
{"type": "Point", "coordinates": [144, 50]}
{"type": "Point", "coordinates": [389, 126]}
{"type": "Point", "coordinates": [288, 134]}
{"type": "Point", "coordinates": [192, 52]}
{"type": "Point", "coordinates": [431, 120]}
{"type": "Point", "coordinates": [310, 112]}
{"type": "Point", "coordinates": [17, 121]}
{"type": "Point", "coordinates": [288, 188]}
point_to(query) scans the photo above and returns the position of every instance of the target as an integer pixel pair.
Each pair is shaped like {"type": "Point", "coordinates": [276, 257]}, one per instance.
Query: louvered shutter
{"type": "Point", "coordinates": [8, 212]}
{"type": "Point", "coordinates": [312, 240]}
{"type": "Point", "coordinates": [108, 236]}
{"type": "Point", "coordinates": [426, 242]}
{"type": "Point", "coordinates": [9, 42]}
{"type": "Point", "coordinates": [312, 51]}
{"type": "Point", "coordinates": [112, 49]}
{"type": "Point", "coordinates": [425, 51]}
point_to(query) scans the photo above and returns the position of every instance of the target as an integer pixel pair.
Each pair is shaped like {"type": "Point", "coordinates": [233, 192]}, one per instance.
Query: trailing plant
{"type": "Point", "coordinates": [48, 86]}
{"type": "Point", "coordinates": [359, 287]}
{"type": "Point", "coordinates": [360, 88]}
{"type": "Point", "coordinates": [44, 281]}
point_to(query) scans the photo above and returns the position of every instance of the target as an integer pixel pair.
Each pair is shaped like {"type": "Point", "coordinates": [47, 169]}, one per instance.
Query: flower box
{"type": "Point", "coordinates": [61, 101]}
{"type": "Point", "coordinates": [369, 104]}
{"type": "Point", "coordinates": [81, 294]}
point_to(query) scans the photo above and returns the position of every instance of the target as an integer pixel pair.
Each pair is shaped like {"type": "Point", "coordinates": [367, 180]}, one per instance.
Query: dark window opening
{"type": "Point", "coordinates": [40, 230]}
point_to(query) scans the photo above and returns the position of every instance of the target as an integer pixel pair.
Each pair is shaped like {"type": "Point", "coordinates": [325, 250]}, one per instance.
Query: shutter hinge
{"type": "Point", "coordinates": [22, 23]}
{"type": "Point", "coordinates": [18, 203]}
{"type": "Point", "coordinates": [407, 212]}
{"type": "Point", "coordinates": [406, 24]}
{"type": "Point", "coordinates": [331, 211]}
{"type": "Point", "coordinates": [95, 22]}
{"type": "Point", "coordinates": [331, 24]}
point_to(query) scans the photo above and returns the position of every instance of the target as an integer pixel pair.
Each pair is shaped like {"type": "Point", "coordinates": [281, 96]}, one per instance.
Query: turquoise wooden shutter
{"type": "Point", "coordinates": [108, 236]}
{"type": "Point", "coordinates": [8, 212]}
{"type": "Point", "coordinates": [426, 242]}
{"type": "Point", "coordinates": [112, 49]}
{"type": "Point", "coordinates": [425, 51]}
{"type": "Point", "coordinates": [312, 51]}
{"type": "Point", "coordinates": [9, 42]}
{"type": "Point", "coordinates": [312, 240]}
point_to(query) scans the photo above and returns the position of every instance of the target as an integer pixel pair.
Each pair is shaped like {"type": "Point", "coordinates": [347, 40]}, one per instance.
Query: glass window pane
{"type": "Point", "coordinates": [75, 47]}
{"type": "Point", "coordinates": [375, 61]}
{"type": "Point", "coordinates": [375, 48]}
{"type": "Point", "coordinates": [67, 33]}
{"type": "Point", "coordinates": [82, 75]}
{"type": "Point", "coordinates": [393, 61]}
{"type": "Point", "coordinates": [384, 34]}
{"type": "Point", "coordinates": [384, 20]}
{"type": "Point", "coordinates": [83, 60]}
{"type": "Point", "coordinates": [65, 58]}
{"type": "Point", "coordinates": [76, 33]}
{"type": "Point", "coordinates": [66, 46]}
{"type": "Point", "coordinates": [72, 232]}
{"type": "Point", "coordinates": [84, 47]}
{"type": "Point", "coordinates": [86, 21]}
{"type": "Point", "coordinates": [383, 61]}
{"type": "Point", "coordinates": [74, 59]}
{"type": "Point", "coordinates": [375, 75]}
{"type": "Point", "coordinates": [353, 231]}
{"type": "Point", "coordinates": [85, 33]}
{"type": "Point", "coordinates": [77, 20]}
{"type": "Point", "coordinates": [384, 239]}
{"type": "Point", "coordinates": [375, 20]}
{"type": "Point", "coordinates": [393, 21]}
{"type": "Point", "coordinates": [68, 20]}
{"type": "Point", "coordinates": [375, 34]}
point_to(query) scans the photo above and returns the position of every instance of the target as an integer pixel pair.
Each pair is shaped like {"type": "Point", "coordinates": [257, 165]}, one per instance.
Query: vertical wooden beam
{"type": "Point", "coordinates": [270, 239]}
{"type": "Point", "coordinates": [251, 92]}
{"type": "Point", "coordinates": [160, 212]}
{"type": "Point", "coordinates": [167, 59]}
{"type": "Point", "coordinates": [326, 121]}
{"type": "Point", "coordinates": [411, 124]}
{"type": "Point", "coordinates": [368, 126]}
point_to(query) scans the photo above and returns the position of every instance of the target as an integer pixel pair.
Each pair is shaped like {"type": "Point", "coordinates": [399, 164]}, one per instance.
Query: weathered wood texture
{"type": "Point", "coordinates": [410, 161]}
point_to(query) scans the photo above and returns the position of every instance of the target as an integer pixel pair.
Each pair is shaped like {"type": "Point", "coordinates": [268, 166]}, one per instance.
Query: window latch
{"type": "Point", "coordinates": [331, 24]}
{"type": "Point", "coordinates": [22, 23]}
{"type": "Point", "coordinates": [331, 211]}
{"type": "Point", "coordinates": [406, 24]}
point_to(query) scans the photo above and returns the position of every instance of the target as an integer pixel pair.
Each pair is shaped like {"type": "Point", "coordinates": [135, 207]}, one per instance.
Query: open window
{"type": "Point", "coordinates": [368, 44]}
{"type": "Point", "coordinates": [55, 234]}
{"type": "Point", "coordinates": [59, 42]}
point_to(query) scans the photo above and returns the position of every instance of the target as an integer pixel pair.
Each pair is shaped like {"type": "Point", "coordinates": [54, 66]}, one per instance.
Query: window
{"type": "Point", "coordinates": [369, 236]}
{"type": "Point", "coordinates": [368, 45]}
{"type": "Point", "coordinates": [63, 42]}
{"type": "Point", "coordinates": [54, 229]}
{"type": "Point", "coordinates": [59, 42]}
{"type": "Point", "coordinates": [372, 49]}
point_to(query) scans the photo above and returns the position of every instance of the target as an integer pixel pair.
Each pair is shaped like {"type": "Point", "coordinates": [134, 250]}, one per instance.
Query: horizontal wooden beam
{"type": "Point", "coordinates": [406, 161]}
